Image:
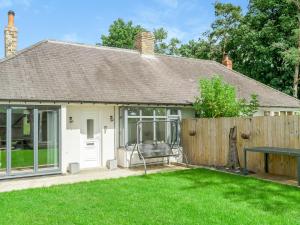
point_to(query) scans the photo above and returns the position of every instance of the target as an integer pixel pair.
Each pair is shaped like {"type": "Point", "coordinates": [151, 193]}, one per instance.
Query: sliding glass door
{"type": "Point", "coordinates": [3, 151]}
{"type": "Point", "coordinates": [22, 144]}
{"type": "Point", "coordinates": [29, 140]}
{"type": "Point", "coordinates": [48, 147]}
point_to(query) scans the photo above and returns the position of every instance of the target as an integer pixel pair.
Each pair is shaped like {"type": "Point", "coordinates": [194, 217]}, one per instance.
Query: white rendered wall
{"type": "Point", "coordinates": [70, 132]}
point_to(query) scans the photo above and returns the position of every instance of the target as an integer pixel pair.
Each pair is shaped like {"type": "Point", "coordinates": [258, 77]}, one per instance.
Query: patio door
{"type": "Point", "coordinates": [90, 140]}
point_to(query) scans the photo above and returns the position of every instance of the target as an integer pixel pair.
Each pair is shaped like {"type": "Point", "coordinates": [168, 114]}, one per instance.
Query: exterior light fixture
{"type": "Point", "coordinates": [111, 118]}
{"type": "Point", "coordinates": [71, 119]}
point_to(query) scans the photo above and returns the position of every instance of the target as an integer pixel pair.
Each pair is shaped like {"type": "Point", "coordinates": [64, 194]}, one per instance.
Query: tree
{"type": "Point", "coordinates": [121, 34]}
{"type": "Point", "coordinates": [228, 18]}
{"type": "Point", "coordinates": [218, 99]}
{"type": "Point", "coordinates": [201, 49]}
{"type": "Point", "coordinates": [259, 46]}
{"type": "Point", "coordinates": [292, 55]}
{"type": "Point", "coordinates": [162, 46]}
{"type": "Point", "coordinates": [160, 36]}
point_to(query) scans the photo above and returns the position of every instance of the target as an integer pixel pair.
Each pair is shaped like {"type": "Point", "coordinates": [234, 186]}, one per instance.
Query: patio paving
{"type": "Point", "coordinates": [84, 175]}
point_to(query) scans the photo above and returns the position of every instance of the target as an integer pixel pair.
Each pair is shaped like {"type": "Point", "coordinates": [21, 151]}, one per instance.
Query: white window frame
{"type": "Point", "coordinates": [168, 116]}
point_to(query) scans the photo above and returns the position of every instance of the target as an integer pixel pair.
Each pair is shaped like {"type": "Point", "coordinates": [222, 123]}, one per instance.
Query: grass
{"type": "Point", "coordinates": [24, 158]}
{"type": "Point", "coordinates": [196, 196]}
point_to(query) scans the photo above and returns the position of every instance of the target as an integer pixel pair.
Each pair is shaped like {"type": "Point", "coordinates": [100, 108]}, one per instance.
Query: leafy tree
{"type": "Point", "coordinates": [201, 49]}
{"type": "Point", "coordinates": [218, 99]}
{"type": "Point", "coordinates": [160, 36]}
{"type": "Point", "coordinates": [228, 18]}
{"type": "Point", "coordinates": [173, 47]}
{"type": "Point", "coordinates": [161, 44]}
{"type": "Point", "coordinates": [121, 34]}
{"type": "Point", "coordinates": [259, 46]}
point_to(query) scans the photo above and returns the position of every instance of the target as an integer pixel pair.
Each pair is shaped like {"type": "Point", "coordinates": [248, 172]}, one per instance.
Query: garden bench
{"type": "Point", "coordinates": [273, 150]}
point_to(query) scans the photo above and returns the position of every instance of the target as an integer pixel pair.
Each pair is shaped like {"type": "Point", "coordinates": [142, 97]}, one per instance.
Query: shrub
{"type": "Point", "coordinates": [218, 99]}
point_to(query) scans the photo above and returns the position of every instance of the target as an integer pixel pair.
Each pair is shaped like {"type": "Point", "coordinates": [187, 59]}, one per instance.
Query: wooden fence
{"type": "Point", "coordinates": [206, 141]}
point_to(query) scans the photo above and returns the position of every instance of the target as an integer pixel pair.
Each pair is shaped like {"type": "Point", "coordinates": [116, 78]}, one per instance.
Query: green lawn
{"type": "Point", "coordinates": [196, 196]}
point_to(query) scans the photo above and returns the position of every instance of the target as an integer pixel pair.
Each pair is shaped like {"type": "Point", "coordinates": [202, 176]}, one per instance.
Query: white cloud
{"type": "Point", "coordinates": [73, 37]}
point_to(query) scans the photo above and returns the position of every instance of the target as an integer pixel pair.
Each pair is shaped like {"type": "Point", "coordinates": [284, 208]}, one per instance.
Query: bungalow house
{"type": "Point", "coordinates": [63, 102]}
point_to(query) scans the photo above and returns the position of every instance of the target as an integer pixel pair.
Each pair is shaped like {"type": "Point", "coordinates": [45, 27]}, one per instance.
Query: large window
{"type": "Point", "coordinates": [48, 146]}
{"type": "Point", "coordinates": [150, 131]}
{"type": "Point", "coordinates": [29, 139]}
{"type": "Point", "coordinates": [2, 141]}
{"type": "Point", "coordinates": [22, 154]}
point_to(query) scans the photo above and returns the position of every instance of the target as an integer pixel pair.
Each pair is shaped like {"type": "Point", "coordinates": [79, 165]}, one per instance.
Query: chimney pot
{"type": "Point", "coordinates": [11, 18]}
{"type": "Point", "coordinates": [227, 61]}
{"type": "Point", "coordinates": [144, 43]}
{"type": "Point", "coordinates": [10, 36]}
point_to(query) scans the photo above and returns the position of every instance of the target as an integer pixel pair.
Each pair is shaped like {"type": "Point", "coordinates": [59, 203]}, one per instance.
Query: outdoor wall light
{"type": "Point", "coordinates": [111, 118]}
{"type": "Point", "coordinates": [71, 119]}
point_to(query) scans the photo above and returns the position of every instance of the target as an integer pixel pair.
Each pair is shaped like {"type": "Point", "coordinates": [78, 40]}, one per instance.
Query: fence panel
{"type": "Point", "coordinates": [206, 141]}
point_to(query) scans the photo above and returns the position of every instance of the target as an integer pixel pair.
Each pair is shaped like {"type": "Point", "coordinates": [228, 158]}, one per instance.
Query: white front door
{"type": "Point", "coordinates": [90, 140]}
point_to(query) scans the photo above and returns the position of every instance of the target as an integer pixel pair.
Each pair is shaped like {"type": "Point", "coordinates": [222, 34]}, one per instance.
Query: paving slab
{"type": "Point", "coordinates": [84, 175]}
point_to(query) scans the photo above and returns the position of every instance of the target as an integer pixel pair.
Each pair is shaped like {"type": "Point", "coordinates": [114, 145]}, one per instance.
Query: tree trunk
{"type": "Point", "coordinates": [233, 158]}
{"type": "Point", "coordinates": [296, 81]}
{"type": "Point", "coordinates": [296, 74]}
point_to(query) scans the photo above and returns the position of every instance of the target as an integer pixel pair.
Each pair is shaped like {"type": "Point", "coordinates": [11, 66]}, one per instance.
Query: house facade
{"type": "Point", "coordinates": [63, 103]}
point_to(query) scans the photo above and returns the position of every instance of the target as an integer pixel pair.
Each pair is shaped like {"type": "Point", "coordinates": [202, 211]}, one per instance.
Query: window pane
{"type": "Point", "coordinates": [90, 128]}
{"type": "Point", "coordinates": [160, 112]}
{"type": "Point", "coordinates": [160, 131]}
{"type": "Point", "coordinates": [147, 112]}
{"type": "Point", "coordinates": [48, 145]}
{"type": "Point", "coordinates": [173, 111]}
{"type": "Point", "coordinates": [133, 111]}
{"type": "Point", "coordinates": [2, 141]}
{"type": "Point", "coordinates": [22, 156]}
{"type": "Point", "coordinates": [147, 131]}
{"type": "Point", "coordinates": [132, 122]}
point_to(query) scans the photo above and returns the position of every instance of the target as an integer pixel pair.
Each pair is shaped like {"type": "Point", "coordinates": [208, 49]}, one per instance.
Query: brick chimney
{"type": "Point", "coordinates": [144, 43]}
{"type": "Point", "coordinates": [10, 36]}
{"type": "Point", "coordinates": [227, 61]}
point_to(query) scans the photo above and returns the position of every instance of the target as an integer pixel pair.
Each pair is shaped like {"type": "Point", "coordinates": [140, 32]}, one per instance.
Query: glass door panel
{"type": "Point", "coordinates": [3, 149]}
{"type": "Point", "coordinates": [22, 154]}
{"type": "Point", "coordinates": [48, 145]}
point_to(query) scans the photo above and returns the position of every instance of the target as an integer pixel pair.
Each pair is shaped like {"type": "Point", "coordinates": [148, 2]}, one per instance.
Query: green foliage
{"type": "Point", "coordinates": [160, 36]}
{"type": "Point", "coordinates": [202, 49]}
{"type": "Point", "coordinates": [261, 46]}
{"type": "Point", "coordinates": [121, 34]}
{"type": "Point", "coordinates": [218, 99]}
{"type": "Point", "coordinates": [228, 18]}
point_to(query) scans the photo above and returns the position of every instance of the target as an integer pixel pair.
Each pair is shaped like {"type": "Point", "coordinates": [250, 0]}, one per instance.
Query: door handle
{"type": "Point", "coordinates": [90, 143]}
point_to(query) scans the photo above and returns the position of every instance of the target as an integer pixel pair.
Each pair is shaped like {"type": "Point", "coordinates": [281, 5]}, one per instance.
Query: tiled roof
{"type": "Point", "coordinates": [67, 72]}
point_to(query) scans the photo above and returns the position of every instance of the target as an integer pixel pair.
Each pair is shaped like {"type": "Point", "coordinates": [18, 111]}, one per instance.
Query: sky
{"type": "Point", "coordinates": [84, 21]}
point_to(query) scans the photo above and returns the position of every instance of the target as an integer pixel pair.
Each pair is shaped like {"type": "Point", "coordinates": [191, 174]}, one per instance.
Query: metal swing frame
{"type": "Point", "coordinates": [157, 150]}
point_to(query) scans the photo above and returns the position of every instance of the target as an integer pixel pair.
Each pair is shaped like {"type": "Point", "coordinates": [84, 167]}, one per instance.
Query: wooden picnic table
{"type": "Point", "coordinates": [273, 150]}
